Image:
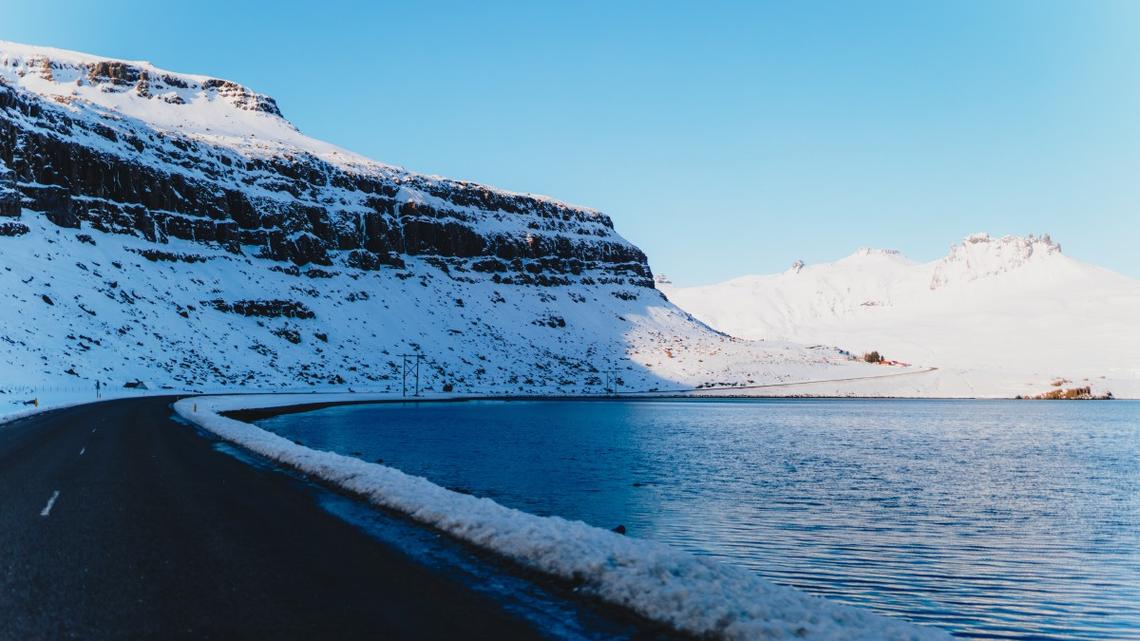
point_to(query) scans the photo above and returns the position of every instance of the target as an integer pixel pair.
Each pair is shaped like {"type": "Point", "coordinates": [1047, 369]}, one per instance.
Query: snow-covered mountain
{"type": "Point", "coordinates": [178, 229]}
{"type": "Point", "coordinates": [1012, 314]}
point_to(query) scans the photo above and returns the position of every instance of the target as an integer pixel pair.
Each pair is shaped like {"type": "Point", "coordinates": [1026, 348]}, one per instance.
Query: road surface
{"type": "Point", "coordinates": [118, 523]}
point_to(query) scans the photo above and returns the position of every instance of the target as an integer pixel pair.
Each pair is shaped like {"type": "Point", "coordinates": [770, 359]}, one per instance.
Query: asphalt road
{"type": "Point", "coordinates": [118, 523]}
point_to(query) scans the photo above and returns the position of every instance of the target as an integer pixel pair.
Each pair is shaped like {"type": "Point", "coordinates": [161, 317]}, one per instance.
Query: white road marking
{"type": "Point", "coordinates": [93, 430]}
{"type": "Point", "coordinates": [82, 451]}
{"type": "Point", "coordinates": [47, 508]}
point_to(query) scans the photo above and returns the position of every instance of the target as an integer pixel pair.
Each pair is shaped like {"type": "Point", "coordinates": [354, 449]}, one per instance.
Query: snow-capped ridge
{"type": "Point", "coordinates": [981, 255]}
{"type": "Point", "coordinates": [223, 166]}
{"type": "Point", "coordinates": [875, 251]}
{"type": "Point", "coordinates": [72, 75]}
{"type": "Point", "coordinates": [212, 110]}
{"type": "Point", "coordinates": [868, 256]}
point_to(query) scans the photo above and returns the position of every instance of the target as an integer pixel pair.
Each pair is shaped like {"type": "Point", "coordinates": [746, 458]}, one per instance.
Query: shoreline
{"type": "Point", "coordinates": [257, 414]}
{"type": "Point", "coordinates": [700, 395]}
{"type": "Point", "coordinates": [738, 392]}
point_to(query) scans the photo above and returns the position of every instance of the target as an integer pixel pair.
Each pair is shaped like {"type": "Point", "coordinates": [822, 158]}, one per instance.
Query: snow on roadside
{"type": "Point", "coordinates": [695, 595]}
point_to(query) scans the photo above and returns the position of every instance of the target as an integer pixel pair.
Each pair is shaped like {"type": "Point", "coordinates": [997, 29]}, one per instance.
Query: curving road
{"type": "Point", "coordinates": [118, 523]}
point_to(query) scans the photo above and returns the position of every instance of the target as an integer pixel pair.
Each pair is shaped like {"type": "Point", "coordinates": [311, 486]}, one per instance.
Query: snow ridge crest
{"type": "Point", "coordinates": [981, 255]}
{"type": "Point", "coordinates": [66, 76]}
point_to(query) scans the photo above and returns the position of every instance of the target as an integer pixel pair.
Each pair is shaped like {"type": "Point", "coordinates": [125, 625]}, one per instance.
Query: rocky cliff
{"type": "Point", "coordinates": [77, 162]}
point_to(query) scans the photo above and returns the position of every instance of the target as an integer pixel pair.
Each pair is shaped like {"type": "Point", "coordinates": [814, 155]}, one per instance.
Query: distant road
{"type": "Point", "coordinates": [731, 388]}
{"type": "Point", "coordinates": [820, 382]}
{"type": "Point", "coordinates": [118, 523]}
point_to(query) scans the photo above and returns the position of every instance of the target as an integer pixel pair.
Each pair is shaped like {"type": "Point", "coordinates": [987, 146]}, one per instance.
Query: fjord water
{"type": "Point", "coordinates": [992, 519]}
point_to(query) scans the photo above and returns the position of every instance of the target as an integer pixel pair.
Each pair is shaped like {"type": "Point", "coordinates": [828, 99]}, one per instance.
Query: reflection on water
{"type": "Point", "coordinates": [995, 519]}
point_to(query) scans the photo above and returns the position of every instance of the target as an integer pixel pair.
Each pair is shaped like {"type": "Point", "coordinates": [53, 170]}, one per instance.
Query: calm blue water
{"type": "Point", "coordinates": [997, 520]}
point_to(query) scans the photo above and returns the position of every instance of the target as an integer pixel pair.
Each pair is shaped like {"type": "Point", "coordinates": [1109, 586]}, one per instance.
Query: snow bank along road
{"type": "Point", "coordinates": [116, 523]}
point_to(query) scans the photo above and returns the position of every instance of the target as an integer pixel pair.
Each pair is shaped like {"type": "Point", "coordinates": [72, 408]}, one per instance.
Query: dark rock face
{"type": "Point", "coordinates": [82, 167]}
{"type": "Point", "coordinates": [9, 196]}
{"type": "Point", "coordinates": [157, 255]}
{"type": "Point", "coordinates": [289, 334]}
{"type": "Point", "coordinates": [13, 229]}
{"type": "Point", "coordinates": [263, 308]}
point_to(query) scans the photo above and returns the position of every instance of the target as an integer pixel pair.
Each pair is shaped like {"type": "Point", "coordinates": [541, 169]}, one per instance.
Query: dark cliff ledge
{"type": "Point", "coordinates": [10, 197]}
{"type": "Point", "coordinates": [79, 165]}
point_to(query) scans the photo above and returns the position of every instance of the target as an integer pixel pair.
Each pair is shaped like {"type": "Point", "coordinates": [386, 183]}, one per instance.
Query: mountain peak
{"type": "Point", "coordinates": [980, 255]}
{"type": "Point", "coordinates": [70, 74]}
{"type": "Point", "coordinates": [875, 251]}
{"type": "Point", "coordinates": [873, 256]}
{"type": "Point", "coordinates": [133, 96]}
{"type": "Point", "coordinates": [195, 105]}
{"type": "Point", "coordinates": [1024, 244]}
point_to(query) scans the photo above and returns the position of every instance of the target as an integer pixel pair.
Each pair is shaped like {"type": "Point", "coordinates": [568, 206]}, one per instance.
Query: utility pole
{"type": "Point", "coordinates": [612, 380]}
{"type": "Point", "coordinates": [418, 357]}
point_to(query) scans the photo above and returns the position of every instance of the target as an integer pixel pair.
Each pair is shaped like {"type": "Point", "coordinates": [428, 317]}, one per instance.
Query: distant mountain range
{"type": "Point", "coordinates": [1011, 309]}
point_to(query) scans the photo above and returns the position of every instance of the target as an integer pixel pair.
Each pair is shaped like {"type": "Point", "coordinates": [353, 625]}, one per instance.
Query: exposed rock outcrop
{"type": "Point", "coordinates": [9, 195]}
{"type": "Point", "coordinates": [79, 164]}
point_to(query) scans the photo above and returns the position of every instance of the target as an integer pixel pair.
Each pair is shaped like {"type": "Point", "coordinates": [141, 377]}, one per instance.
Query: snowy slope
{"type": "Point", "coordinates": [998, 316]}
{"type": "Point", "coordinates": [177, 229]}
{"type": "Point", "coordinates": [209, 109]}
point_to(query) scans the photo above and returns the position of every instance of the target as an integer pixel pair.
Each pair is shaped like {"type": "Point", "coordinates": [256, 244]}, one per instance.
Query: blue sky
{"type": "Point", "coordinates": [724, 138]}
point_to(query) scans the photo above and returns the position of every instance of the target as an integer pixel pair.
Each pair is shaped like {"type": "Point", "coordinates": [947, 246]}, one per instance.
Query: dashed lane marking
{"type": "Point", "coordinates": [51, 502]}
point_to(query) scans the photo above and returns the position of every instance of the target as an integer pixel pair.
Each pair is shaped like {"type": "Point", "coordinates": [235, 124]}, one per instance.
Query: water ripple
{"type": "Point", "coordinates": [994, 520]}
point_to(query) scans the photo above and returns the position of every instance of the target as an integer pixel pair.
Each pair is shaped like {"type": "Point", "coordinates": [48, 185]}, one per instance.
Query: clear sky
{"type": "Point", "coordinates": [724, 138]}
